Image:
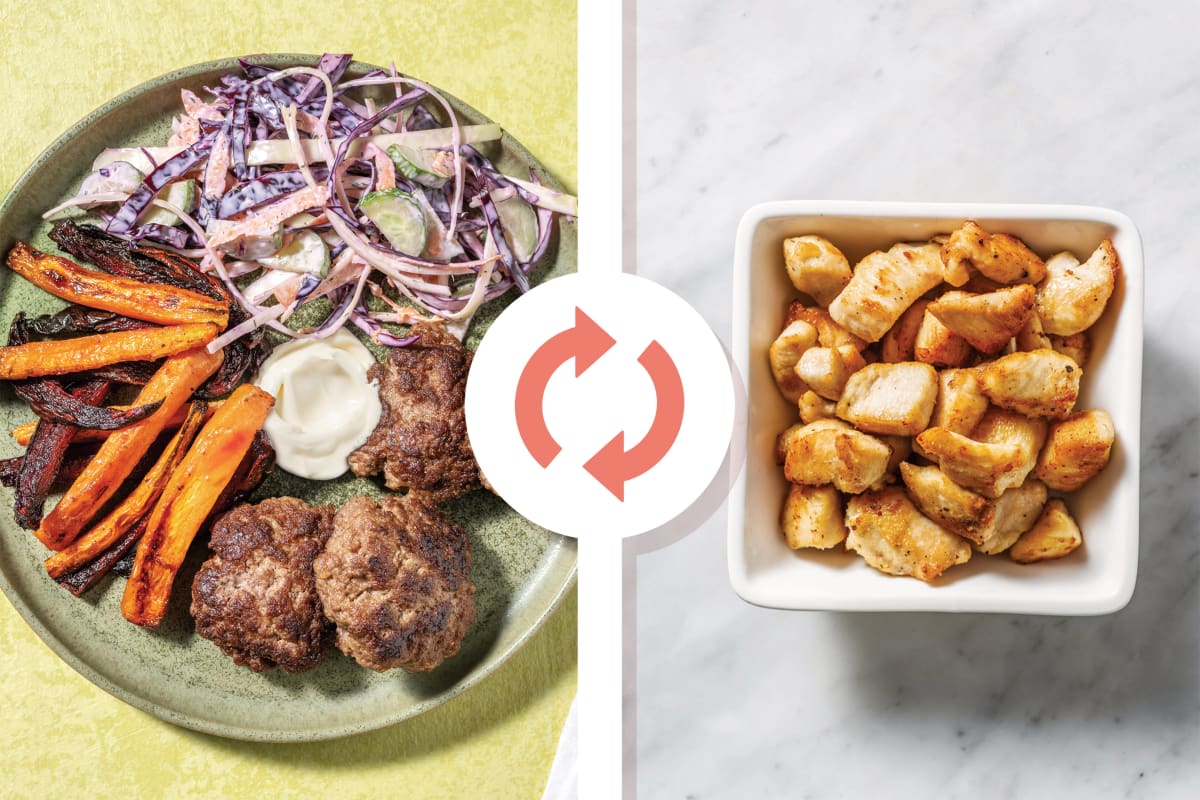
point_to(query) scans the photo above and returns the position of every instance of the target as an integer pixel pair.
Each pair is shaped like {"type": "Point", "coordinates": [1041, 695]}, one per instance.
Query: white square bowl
{"type": "Point", "coordinates": [1096, 579]}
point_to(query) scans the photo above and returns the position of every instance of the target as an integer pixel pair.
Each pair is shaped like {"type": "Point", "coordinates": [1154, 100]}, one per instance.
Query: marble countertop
{"type": "Point", "coordinates": [988, 101]}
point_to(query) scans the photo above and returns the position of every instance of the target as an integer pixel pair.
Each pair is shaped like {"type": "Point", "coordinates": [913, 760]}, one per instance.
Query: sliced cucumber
{"type": "Point", "coordinates": [304, 252]}
{"type": "Point", "coordinates": [119, 176]}
{"type": "Point", "coordinates": [181, 194]}
{"type": "Point", "coordinates": [398, 218]}
{"type": "Point", "coordinates": [520, 224]}
{"type": "Point", "coordinates": [416, 165]}
{"type": "Point", "coordinates": [248, 246]}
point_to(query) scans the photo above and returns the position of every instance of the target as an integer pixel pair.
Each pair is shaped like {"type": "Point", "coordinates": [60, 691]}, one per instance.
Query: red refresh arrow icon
{"type": "Point", "coordinates": [614, 465]}
{"type": "Point", "coordinates": [585, 342]}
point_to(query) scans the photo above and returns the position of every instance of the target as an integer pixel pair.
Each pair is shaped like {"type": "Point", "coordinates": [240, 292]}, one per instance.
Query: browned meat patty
{"type": "Point", "coordinates": [421, 440]}
{"type": "Point", "coordinates": [395, 578]}
{"type": "Point", "coordinates": [256, 598]}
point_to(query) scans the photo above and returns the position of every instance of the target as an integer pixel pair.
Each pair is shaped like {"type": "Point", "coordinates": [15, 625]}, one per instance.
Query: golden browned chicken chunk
{"type": "Point", "coordinates": [785, 353]}
{"type": "Point", "coordinates": [956, 509]}
{"type": "Point", "coordinates": [986, 321]}
{"type": "Point", "coordinates": [997, 256]}
{"type": "Point", "coordinates": [961, 402]}
{"type": "Point", "coordinates": [891, 535]}
{"type": "Point", "coordinates": [826, 369]}
{"type": "Point", "coordinates": [1043, 383]}
{"type": "Point", "coordinates": [884, 285]}
{"type": "Point", "coordinates": [938, 345]}
{"type": "Point", "coordinates": [831, 452]}
{"type": "Point", "coordinates": [1077, 448]}
{"type": "Point", "coordinates": [1016, 511]}
{"type": "Point", "coordinates": [1054, 535]}
{"type": "Point", "coordinates": [814, 407]}
{"type": "Point", "coordinates": [829, 333]}
{"type": "Point", "coordinates": [894, 399]}
{"type": "Point", "coordinates": [1074, 295]}
{"type": "Point", "coordinates": [816, 267]}
{"type": "Point", "coordinates": [999, 454]}
{"type": "Point", "coordinates": [812, 517]}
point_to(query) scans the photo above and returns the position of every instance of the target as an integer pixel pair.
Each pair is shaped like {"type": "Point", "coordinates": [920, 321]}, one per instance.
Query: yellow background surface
{"type": "Point", "coordinates": [63, 737]}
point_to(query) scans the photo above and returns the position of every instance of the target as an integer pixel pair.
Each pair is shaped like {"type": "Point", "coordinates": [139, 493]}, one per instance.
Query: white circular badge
{"type": "Point", "coordinates": [599, 405]}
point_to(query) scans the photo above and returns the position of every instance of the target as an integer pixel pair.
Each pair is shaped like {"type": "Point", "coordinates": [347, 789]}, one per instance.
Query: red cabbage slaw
{"type": "Point", "coordinates": [277, 154]}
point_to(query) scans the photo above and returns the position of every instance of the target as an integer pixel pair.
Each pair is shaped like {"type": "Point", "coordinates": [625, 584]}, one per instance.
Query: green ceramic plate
{"type": "Point", "coordinates": [521, 571]}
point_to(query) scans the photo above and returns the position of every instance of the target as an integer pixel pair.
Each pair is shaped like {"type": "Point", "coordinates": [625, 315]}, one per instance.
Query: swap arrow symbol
{"type": "Point", "coordinates": [585, 342]}
{"type": "Point", "coordinates": [613, 465]}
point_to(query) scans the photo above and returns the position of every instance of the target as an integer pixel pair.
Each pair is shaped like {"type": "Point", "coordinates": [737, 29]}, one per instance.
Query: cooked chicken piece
{"type": "Point", "coordinates": [785, 353]}
{"type": "Point", "coordinates": [961, 402]}
{"type": "Point", "coordinates": [829, 333]}
{"type": "Point", "coordinates": [883, 286]}
{"type": "Point", "coordinates": [986, 321]}
{"type": "Point", "coordinates": [1031, 336]}
{"type": "Point", "coordinates": [816, 267]}
{"type": "Point", "coordinates": [998, 256]}
{"type": "Point", "coordinates": [1016, 511]}
{"type": "Point", "coordinates": [830, 451]}
{"type": "Point", "coordinates": [1054, 535]}
{"type": "Point", "coordinates": [888, 531]}
{"type": "Point", "coordinates": [938, 345]}
{"type": "Point", "coordinates": [814, 407]}
{"type": "Point", "coordinates": [988, 465]}
{"type": "Point", "coordinates": [1043, 383]}
{"type": "Point", "coordinates": [784, 441]}
{"type": "Point", "coordinates": [812, 517]}
{"type": "Point", "coordinates": [1077, 448]}
{"type": "Point", "coordinates": [956, 509]}
{"type": "Point", "coordinates": [894, 399]}
{"type": "Point", "coordinates": [1078, 346]}
{"type": "Point", "coordinates": [826, 369]}
{"type": "Point", "coordinates": [1074, 295]}
{"type": "Point", "coordinates": [1001, 426]}
{"type": "Point", "coordinates": [900, 341]}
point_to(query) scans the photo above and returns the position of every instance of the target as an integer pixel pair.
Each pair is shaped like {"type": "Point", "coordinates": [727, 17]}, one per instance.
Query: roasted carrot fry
{"type": "Point", "coordinates": [63, 356]}
{"type": "Point", "coordinates": [187, 499]}
{"type": "Point", "coordinates": [173, 384]}
{"type": "Point", "coordinates": [22, 433]}
{"type": "Point", "coordinates": [149, 302]}
{"type": "Point", "coordinates": [132, 508]}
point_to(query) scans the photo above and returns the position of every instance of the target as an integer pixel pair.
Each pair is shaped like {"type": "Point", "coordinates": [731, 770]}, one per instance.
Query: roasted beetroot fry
{"type": "Point", "coordinates": [50, 401]}
{"type": "Point", "coordinates": [75, 320]}
{"type": "Point", "coordinates": [131, 373]}
{"type": "Point", "coordinates": [134, 507]}
{"type": "Point", "coordinates": [149, 302]}
{"type": "Point", "coordinates": [42, 460]}
{"type": "Point", "coordinates": [173, 385]}
{"type": "Point", "coordinates": [73, 463]}
{"type": "Point", "coordinates": [113, 255]}
{"type": "Point", "coordinates": [22, 433]}
{"type": "Point", "coordinates": [89, 574]}
{"type": "Point", "coordinates": [188, 499]}
{"type": "Point", "coordinates": [62, 356]}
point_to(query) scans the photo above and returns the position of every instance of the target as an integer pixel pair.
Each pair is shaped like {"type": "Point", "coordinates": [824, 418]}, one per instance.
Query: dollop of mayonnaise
{"type": "Point", "coordinates": [325, 407]}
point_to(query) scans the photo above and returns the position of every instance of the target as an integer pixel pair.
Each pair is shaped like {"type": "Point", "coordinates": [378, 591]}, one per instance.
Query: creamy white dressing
{"type": "Point", "coordinates": [325, 407]}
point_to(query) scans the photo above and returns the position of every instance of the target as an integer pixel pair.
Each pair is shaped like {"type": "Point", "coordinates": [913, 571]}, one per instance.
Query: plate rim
{"type": "Point", "coordinates": [232, 730]}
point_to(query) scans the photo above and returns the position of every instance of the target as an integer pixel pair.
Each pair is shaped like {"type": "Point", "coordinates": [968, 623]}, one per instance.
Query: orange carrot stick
{"type": "Point", "coordinates": [132, 508]}
{"type": "Point", "coordinates": [149, 302]}
{"type": "Point", "coordinates": [64, 356]}
{"type": "Point", "coordinates": [187, 500]}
